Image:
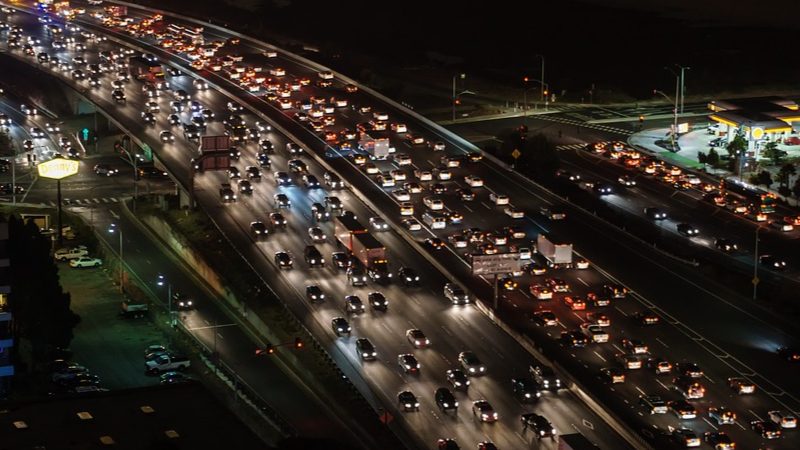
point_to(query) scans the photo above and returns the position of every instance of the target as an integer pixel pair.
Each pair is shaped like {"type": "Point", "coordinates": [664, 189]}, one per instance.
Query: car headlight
{"type": "Point", "coordinates": [445, 405]}
{"type": "Point", "coordinates": [458, 383]}
{"type": "Point", "coordinates": [407, 405]}
{"type": "Point", "coordinates": [483, 369]}
{"type": "Point", "coordinates": [339, 330]}
{"type": "Point", "coordinates": [472, 369]}
{"type": "Point", "coordinates": [541, 432]}
{"type": "Point", "coordinates": [374, 353]}
{"type": "Point", "coordinates": [527, 395]}
{"type": "Point", "coordinates": [365, 355]}
{"type": "Point", "coordinates": [416, 342]}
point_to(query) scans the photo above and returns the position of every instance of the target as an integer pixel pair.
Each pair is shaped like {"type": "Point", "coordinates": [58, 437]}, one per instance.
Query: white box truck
{"type": "Point", "coordinates": [558, 255]}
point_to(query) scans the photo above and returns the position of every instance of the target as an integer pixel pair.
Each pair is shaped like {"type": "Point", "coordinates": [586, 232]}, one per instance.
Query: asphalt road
{"type": "Point", "coordinates": [501, 182]}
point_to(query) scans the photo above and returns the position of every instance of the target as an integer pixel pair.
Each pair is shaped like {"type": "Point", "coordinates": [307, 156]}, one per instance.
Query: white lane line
{"type": "Point", "coordinates": [709, 379]}
{"type": "Point", "coordinates": [662, 384]}
{"type": "Point", "coordinates": [486, 206]}
{"type": "Point", "coordinates": [621, 311]}
{"type": "Point", "coordinates": [640, 390]}
{"type": "Point", "coordinates": [600, 356]}
{"type": "Point", "coordinates": [711, 424]}
{"type": "Point", "coordinates": [754, 414]}
{"type": "Point", "coordinates": [467, 207]}
{"type": "Point", "coordinates": [662, 343]}
{"type": "Point", "coordinates": [212, 326]}
{"type": "Point", "coordinates": [584, 283]}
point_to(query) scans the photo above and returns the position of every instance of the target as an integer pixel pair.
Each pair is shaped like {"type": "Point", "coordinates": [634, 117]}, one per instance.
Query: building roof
{"type": "Point", "coordinates": [768, 113]}
{"type": "Point", "coordinates": [750, 119]}
{"type": "Point", "coordinates": [181, 416]}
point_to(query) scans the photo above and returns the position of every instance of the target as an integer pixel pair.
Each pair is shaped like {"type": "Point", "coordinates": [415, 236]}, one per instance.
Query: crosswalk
{"type": "Point", "coordinates": [570, 147]}
{"type": "Point", "coordinates": [85, 201]}
{"type": "Point", "coordinates": [582, 124]}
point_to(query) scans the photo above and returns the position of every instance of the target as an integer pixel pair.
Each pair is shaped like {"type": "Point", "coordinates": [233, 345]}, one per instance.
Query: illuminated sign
{"type": "Point", "coordinates": [58, 168]}
{"type": "Point", "coordinates": [757, 133]}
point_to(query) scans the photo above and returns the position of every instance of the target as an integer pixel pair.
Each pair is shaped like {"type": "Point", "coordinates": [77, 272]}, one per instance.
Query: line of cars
{"type": "Point", "coordinates": [77, 257]}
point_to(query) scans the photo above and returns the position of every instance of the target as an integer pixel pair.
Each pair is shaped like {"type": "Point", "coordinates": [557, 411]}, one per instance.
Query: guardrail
{"type": "Point", "coordinates": [629, 435]}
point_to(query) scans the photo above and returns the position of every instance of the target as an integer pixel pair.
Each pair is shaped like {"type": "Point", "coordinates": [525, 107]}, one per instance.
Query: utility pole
{"type": "Point", "coordinates": [683, 84]}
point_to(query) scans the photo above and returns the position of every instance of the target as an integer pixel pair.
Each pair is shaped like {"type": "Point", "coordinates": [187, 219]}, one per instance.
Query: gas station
{"type": "Point", "coordinates": [759, 120]}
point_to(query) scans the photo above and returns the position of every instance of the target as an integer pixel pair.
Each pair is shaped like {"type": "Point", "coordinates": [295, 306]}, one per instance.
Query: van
{"type": "Point", "coordinates": [434, 220]}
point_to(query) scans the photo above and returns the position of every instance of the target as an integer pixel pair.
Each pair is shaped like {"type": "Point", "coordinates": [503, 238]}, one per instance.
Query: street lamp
{"type": "Point", "coordinates": [161, 281]}
{"type": "Point", "coordinates": [132, 160]}
{"type": "Point", "coordinates": [455, 97]}
{"type": "Point", "coordinates": [113, 228]}
{"type": "Point", "coordinates": [755, 264]}
{"type": "Point", "coordinates": [542, 83]}
{"type": "Point", "coordinates": [674, 117]}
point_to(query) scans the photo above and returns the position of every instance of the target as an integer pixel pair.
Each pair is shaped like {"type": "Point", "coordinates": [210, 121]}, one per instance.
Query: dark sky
{"type": "Point", "coordinates": [608, 42]}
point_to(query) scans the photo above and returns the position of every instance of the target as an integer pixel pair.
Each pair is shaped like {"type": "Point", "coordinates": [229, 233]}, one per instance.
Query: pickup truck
{"type": "Point", "coordinates": [65, 254]}
{"type": "Point", "coordinates": [166, 363]}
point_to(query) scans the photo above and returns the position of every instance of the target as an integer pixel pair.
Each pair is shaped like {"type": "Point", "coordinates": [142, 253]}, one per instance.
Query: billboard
{"type": "Point", "coordinates": [500, 263]}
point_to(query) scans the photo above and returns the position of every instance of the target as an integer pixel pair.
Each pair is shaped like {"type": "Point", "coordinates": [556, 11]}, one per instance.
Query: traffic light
{"type": "Point", "coordinates": [457, 101]}
{"type": "Point", "coordinates": [269, 349]}
{"type": "Point", "coordinates": [298, 343]}
{"type": "Point", "coordinates": [525, 79]}
{"type": "Point", "coordinates": [545, 92]}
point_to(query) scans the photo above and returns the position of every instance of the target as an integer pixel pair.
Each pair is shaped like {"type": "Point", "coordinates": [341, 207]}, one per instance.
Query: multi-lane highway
{"type": "Point", "coordinates": [682, 335]}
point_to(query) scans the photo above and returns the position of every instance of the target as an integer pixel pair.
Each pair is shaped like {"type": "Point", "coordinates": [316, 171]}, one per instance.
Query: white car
{"type": "Point", "coordinates": [65, 254]}
{"type": "Point", "coordinates": [399, 128]}
{"type": "Point", "coordinates": [474, 181]}
{"type": "Point", "coordinates": [412, 224]}
{"type": "Point", "coordinates": [434, 203]}
{"type": "Point", "coordinates": [514, 213]}
{"type": "Point", "coordinates": [783, 419]}
{"type": "Point", "coordinates": [401, 195]}
{"type": "Point", "coordinates": [402, 159]}
{"type": "Point", "coordinates": [85, 261]}
{"type": "Point", "coordinates": [406, 209]}
{"type": "Point", "coordinates": [423, 175]}
{"type": "Point", "coordinates": [499, 199]}
{"type": "Point", "coordinates": [326, 75]}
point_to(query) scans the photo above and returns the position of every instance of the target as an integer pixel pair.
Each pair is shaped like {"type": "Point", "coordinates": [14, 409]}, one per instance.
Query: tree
{"type": "Point", "coordinates": [764, 178]}
{"type": "Point", "coordinates": [42, 315]}
{"type": "Point", "coordinates": [772, 153]}
{"type": "Point", "coordinates": [712, 158]}
{"type": "Point", "coordinates": [796, 188]}
{"type": "Point", "coordinates": [702, 158]}
{"type": "Point", "coordinates": [736, 149]}
{"type": "Point", "coordinates": [787, 170]}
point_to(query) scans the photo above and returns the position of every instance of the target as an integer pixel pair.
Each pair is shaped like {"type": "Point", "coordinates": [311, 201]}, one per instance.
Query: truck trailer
{"type": "Point", "coordinates": [363, 246]}
{"type": "Point", "coordinates": [378, 149]}
{"type": "Point", "coordinates": [558, 255]}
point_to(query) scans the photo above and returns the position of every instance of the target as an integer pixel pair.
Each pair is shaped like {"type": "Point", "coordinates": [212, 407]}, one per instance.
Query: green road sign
{"type": "Point", "coordinates": [148, 152]}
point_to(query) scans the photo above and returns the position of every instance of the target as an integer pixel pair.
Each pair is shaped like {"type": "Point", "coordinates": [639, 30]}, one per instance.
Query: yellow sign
{"type": "Point", "coordinates": [757, 133]}
{"type": "Point", "coordinates": [58, 168]}
{"type": "Point", "coordinates": [516, 154]}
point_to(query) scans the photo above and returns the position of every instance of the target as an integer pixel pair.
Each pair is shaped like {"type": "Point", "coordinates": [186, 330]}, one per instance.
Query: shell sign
{"type": "Point", "coordinates": [58, 168]}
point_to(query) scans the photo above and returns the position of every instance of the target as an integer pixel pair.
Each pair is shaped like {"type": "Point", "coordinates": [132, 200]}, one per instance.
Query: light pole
{"type": "Point", "coordinates": [161, 281]}
{"type": "Point", "coordinates": [683, 83]}
{"type": "Point", "coordinates": [455, 97]}
{"type": "Point", "coordinates": [114, 228]}
{"type": "Point", "coordinates": [132, 159]}
{"type": "Point", "coordinates": [542, 83]}
{"type": "Point", "coordinates": [755, 264]}
{"type": "Point", "coordinates": [674, 117]}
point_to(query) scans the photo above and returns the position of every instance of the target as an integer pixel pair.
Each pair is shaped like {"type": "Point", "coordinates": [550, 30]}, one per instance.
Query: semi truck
{"type": "Point", "coordinates": [363, 246]}
{"type": "Point", "coordinates": [144, 70]}
{"type": "Point", "coordinates": [378, 149]}
{"type": "Point", "coordinates": [575, 441]}
{"type": "Point", "coordinates": [557, 254]}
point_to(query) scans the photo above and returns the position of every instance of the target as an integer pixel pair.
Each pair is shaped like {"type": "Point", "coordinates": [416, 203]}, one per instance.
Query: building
{"type": "Point", "coordinates": [6, 329]}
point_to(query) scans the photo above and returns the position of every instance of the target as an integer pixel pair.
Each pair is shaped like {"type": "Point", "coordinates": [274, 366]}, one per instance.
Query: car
{"type": "Point", "coordinates": [253, 173]}
{"type": "Point", "coordinates": [685, 437]}
{"type": "Point", "coordinates": [682, 409]}
{"type": "Point", "coordinates": [466, 195]}
{"type": "Point", "coordinates": [173, 377]}
{"type": "Point", "coordinates": [689, 388]}
{"type": "Point", "coordinates": [626, 181]}
{"type": "Point", "coordinates": [725, 245]}
{"type": "Point", "coordinates": [435, 243]}
{"type": "Point", "coordinates": [646, 318]}
{"type": "Point", "coordinates": [458, 379]}
{"type": "Point", "coordinates": [277, 220]}
{"type": "Point", "coordinates": [483, 411]}
{"type": "Point", "coordinates": [148, 117]}
{"type": "Point", "coordinates": [594, 332]}
{"type": "Point", "coordinates": [340, 260]}
{"type": "Point", "coordinates": [283, 260]}
{"type": "Point", "coordinates": [314, 293]}
{"type": "Point", "coordinates": [540, 291]}
{"type": "Point", "coordinates": [366, 350]}
{"type": "Point", "coordinates": [105, 170]}
{"type": "Point", "coordinates": [473, 181]}
{"type": "Point", "coordinates": [552, 213]}
{"type": "Point", "coordinates": [310, 181]}
{"type": "Point", "coordinates": [539, 425]}
{"type": "Point", "coordinates": [659, 365]}
{"type": "Point", "coordinates": [408, 276]}
{"type": "Point", "coordinates": [377, 301]}
{"type": "Point", "coordinates": [408, 363]}
{"type": "Point", "coordinates": [340, 326]}
{"type": "Point", "coordinates": [499, 199]}
{"type": "Point", "coordinates": [417, 338]}
{"type": "Point", "coordinates": [66, 254]}
{"type": "Point", "coordinates": [559, 285]}
{"type": "Point", "coordinates": [655, 213]}
{"type": "Point", "coordinates": [602, 189]}
{"type": "Point", "coordinates": [629, 361]}
{"type": "Point", "coordinates": [789, 354]}
{"type": "Point", "coordinates": [783, 419]}
{"type": "Point", "coordinates": [378, 224]}
{"type": "Point", "coordinates": [245, 187]}
{"type": "Point", "coordinates": [445, 399]}
{"type": "Point", "coordinates": [182, 301]}
{"type": "Point", "coordinates": [471, 364]}
{"type": "Point", "coordinates": [313, 257]}
{"type": "Point", "coordinates": [536, 268]}
{"type": "Point", "coordinates": [282, 201]}
{"type": "Point", "coordinates": [772, 262]}
{"type": "Point", "coordinates": [689, 369]}
{"type": "Point", "coordinates": [545, 318]}
{"type": "Point", "coordinates": [573, 339]}
{"type": "Point", "coordinates": [654, 404]}
{"type": "Point", "coordinates": [282, 179]}
{"type": "Point", "coordinates": [781, 225]}
{"type": "Point", "coordinates": [719, 440]}
{"type": "Point", "coordinates": [766, 429]}
{"type": "Point", "coordinates": [741, 385]}
{"type": "Point", "coordinates": [612, 375]}
{"type": "Point", "coordinates": [408, 401]}
{"type": "Point", "coordinates": [455, 294]}
{"type": "Point", "coordinates": [722, 415]}
{"type": "Point", "coordinates": [599, 301]}
{"type": "Point", "coordinates": [634, 346]}
{"type": "Point", "coordinates": [574, 302]}
{"type": "Point", "coordinates": [486, 445]}
{"type": "Point", "coordinates": [85, 261]}
{"type": "Point", "coordinates": [688, 230]}
{"type": "Point", "coordinates": [526, 389]}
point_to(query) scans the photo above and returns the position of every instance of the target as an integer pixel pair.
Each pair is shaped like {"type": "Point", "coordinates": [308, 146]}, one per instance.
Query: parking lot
{"type": "Point", "coordinates": [108, 345]}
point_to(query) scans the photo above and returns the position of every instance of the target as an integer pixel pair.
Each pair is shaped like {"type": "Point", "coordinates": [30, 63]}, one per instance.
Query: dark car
{"type": "Point", "coordinates": [573, 339]}
{"type": "Point", "coordinates": [340, 326]}
{"type": "Point", "coordinates": [378, 301]}
{"type": "Point", "coordinates": [539, 424]}
{"type": "Point", "coordinates": [725, 245]}
{"type": "Point", "coordinates": [526, 389]}
{"type": "Point", "coordinates": [151, 172]}
{"type": "Point", "coordinates": [182, 301]}
{"type": "Point", "coordinates": [655, 213]}
{"type": "Point", "coordinates": [408, 276]}
{"type": "Point", "coordinates": [258, 229]}
{"type": "Point", "coordinates": [445, 399]}
{"type": "Point", "coordinates": [766, 429]}
{"type": "Point", "coordinates": [688, 230]}
{"type": "Point", "coordinates": [366, 350]}
{"type": "Point", "coordinates": [789, 354]}
{"type": "Point", "coordinates": [340, 260]}
{"type": "Point", "coordinates": [8, 189]}
{"type": "Point", "coordinates": [719, 440]}
{"type": "Point", "coordinates": [314, 293]}
{"type": "Point", "coordinates": [458, 379]}
{"type": "Point", "coordinates": [772, 262]}
{"type": "Point", "coordinates": [283, 260]}
{"type": "Point", "coordinates": [408, 401]}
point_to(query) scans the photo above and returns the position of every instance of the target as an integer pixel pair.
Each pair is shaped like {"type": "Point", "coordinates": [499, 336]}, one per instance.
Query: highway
{"type": "Point", "coordinates": [528, 199]}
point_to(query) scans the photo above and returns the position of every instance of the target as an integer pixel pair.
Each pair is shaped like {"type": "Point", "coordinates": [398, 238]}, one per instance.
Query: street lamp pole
{"type": "Point", "coordinates": [674, 117]}
{"type": "Point", "coordinates": [116, 229]}
{"type": "Point", "coordinates": [683, 84]}
{"type": "Point", "coordinates": [755, 265]}
{"type": "Point", "coordinates": [455, 97]}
